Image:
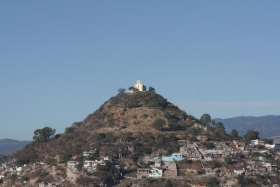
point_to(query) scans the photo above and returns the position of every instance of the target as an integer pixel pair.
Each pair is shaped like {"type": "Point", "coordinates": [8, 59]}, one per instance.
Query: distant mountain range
{"type": "Point", "coordinates": [267, 126]}
{"type": "Point", "coordinates": [9, 146]}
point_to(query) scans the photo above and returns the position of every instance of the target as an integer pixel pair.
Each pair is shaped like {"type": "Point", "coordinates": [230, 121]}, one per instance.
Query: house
{"type": "Point", "coordinates": [208, 157]}
{"type": "Point", "coordinates": [143, 173]}
{"type": "Point", "coordinates": [108, 158]}
{"type": "Point", "coordinates": [197, 125]}
{"type": "Point", "coordinates": [190, 152]}
{"type": "Point", "coordinates": [269, 166]}
{"type": "Point", "coordinates": [261, 170]}
{"type": "Point", "coordinates": [211, 171]}
{"type": "Point", "coordinates": [170, 170]}
{"type": "Point", "coordinates": [250, 173]}
{"type": "Point", "coordinates": [239, 144]}
{"type": "Point", "coordinates": [93, 163]}
{"type": "Point", "coordinates": [90, 153]}
{"type": "Point", "coordinates": [238, 172]}
{"type": "Point", "coordinates": [227, 172]}
{"type": "Point", "coordinates": [155, 173]}
{"type": "Point", "coordinates": [268, 146]}
{"type": "Point", "coordinates": [257, 142]}
{"type": "Point", "coordinates": [173, 157]}
{"type": "Point", "coordinates": [157, 162]}
{"type": "Point", "coordinates": [72, 164]}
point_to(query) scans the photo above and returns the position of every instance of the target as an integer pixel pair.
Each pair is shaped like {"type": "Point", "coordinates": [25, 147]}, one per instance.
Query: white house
{"type": "Point", "coordinates": [238, 172]}
{"type": "Point", "coordinates": [72, 164]}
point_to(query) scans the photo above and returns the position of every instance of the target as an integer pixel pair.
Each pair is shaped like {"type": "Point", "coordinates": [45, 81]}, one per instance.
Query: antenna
{"type": "Point", "coordinates": [263, 132]}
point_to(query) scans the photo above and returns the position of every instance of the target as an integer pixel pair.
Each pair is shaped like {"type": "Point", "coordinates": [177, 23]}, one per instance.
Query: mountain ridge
{"type": "Point", "coordinates": [270, 124]}
{"type": "Point", "coordinates": [9, 146]}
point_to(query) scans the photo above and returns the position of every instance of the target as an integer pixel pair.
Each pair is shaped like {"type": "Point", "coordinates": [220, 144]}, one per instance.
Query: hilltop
{"type": "Point", "coordinates": [138, 135]}
{"type": "Point", "coordinates": [124, 117]}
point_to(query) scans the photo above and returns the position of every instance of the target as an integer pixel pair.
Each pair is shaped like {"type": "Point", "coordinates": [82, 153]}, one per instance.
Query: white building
{"type": "Point", "coordinates": [239, 172]}
{"type": "Point", "coordinates": [72, 164]}
{"type": "Point", "coordinates": [139, 86]}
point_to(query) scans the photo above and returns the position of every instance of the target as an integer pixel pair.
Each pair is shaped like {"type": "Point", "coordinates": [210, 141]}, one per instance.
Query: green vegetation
{"type": "Point", "coordinates": [91, 133]}
{"type": "Point", "coordinates": [4, 158]}
{"type": "Point", "coordinates": [213, 182]}
{"type": "Point", "coordinates": [111, 122]}
{"type": "Point", "coordinates": [251, 135]}
{"type": "Point", "coordinates": [205, 119]}
{"type": "Point", "coordinates": [121, 90]}
{"type": "Point", "coordinates": [151, 89]}
{"type": "Point", "coordinates": [69, 130]}
{"type": "Point", "coordinates": [268, 141]}
{"type": "Point", "coordinates": [234, 134]}
{"type": "Point", "coordinates": [44, 134]}
{"type": "Point", "coordinates": [208, 145]}
{"type": "Point", "coordinates": [158, 123]}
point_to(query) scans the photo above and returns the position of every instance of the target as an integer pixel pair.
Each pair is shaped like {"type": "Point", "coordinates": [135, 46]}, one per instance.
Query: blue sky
{"type": "Point", "coordinates": [60, 60]}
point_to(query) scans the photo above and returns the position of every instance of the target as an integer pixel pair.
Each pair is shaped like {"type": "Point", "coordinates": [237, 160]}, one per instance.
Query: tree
{"type": "Point", "coordinates": [168, 184]}
{"type": "Point", "coordinates": [228, 160]}
{"type": "Point", "coordinates": [44, 134]}
{"type": "Point", "coordinates": [151, 89]}
{"type": "Point", "coordinates": [268, 141]}
{"type": "Point", "coordinates": [121, 90]}
{"type": "Point", "coordinates": [131, 88]}
{"type": "Point", "coordinates": [158, 123]}
{"type": "Point", "coordinates": [234, 134]}
{"type": "Point", "coordinates": [205, 118]}
{"type": "Point", "coordinates": [213, 123]}
{"type": "Point", "coordinates": [213, 182]}
{"type": "Point", "coordinates": [220, 128]}
{"type": "Point", "coordinates": [251, 135]}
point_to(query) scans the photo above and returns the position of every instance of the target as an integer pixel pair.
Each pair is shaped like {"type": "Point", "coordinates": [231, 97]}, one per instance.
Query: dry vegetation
{"type": "Point", "coordinates": [127, 116]}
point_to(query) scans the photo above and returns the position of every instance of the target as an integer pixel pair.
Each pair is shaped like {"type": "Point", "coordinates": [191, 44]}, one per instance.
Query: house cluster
{"type": "Point", "coordinates": [159, 168]}
{"type": "Point", "coordinates": [260, 167]}
{"type": "Point", "coordinates": [190, 152]}
{"type": "Point", "coordinates": [10, 168]}
{"type": "Point", "coordinates": [220, 151]}
{"type": "Point", "coordinates": [91, 165]}
{"type": "Point", "coordinates": [257, 159]}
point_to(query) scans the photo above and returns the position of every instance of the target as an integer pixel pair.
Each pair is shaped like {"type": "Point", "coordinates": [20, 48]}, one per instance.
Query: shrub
{"type": "Point", "coordinates": [145, 115]}
{"type": "Point", "coordinates": [111, 122]}
{"type": "Point", "coordinates": [158, 123]}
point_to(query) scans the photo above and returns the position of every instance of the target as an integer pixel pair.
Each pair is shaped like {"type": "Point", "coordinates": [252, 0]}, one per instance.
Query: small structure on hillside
{"type": "Point", "coordinates": [139, 86]}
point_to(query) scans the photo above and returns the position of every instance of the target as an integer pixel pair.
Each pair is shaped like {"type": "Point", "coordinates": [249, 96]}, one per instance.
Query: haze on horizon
{"type": "Point", "coordinates": [60, 60]}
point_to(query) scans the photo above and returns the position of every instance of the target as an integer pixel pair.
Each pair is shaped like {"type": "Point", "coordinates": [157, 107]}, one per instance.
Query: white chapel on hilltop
{"type": "Point", "coordinates": [139, 86]}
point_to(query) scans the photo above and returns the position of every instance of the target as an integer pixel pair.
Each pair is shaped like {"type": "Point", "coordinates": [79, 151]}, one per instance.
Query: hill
{"type": "Point", "coordinates": [146, 120]}
{"type": "Point", "coordinates": [270, 124]}
{"type": "Point", "coordinates": [9, 146]}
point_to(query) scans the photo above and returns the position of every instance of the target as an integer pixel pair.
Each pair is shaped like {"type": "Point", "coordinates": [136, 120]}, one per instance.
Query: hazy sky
{"type": "Point", "coordinates": [60, 60]}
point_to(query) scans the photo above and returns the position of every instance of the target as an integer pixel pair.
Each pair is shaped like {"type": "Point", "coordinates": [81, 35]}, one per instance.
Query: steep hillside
{"type": "Point", "coordinates": [127, 117]}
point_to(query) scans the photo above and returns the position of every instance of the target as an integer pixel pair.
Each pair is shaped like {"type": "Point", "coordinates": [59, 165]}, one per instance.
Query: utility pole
{"type": "Point", "coordinates": [263, 133]}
